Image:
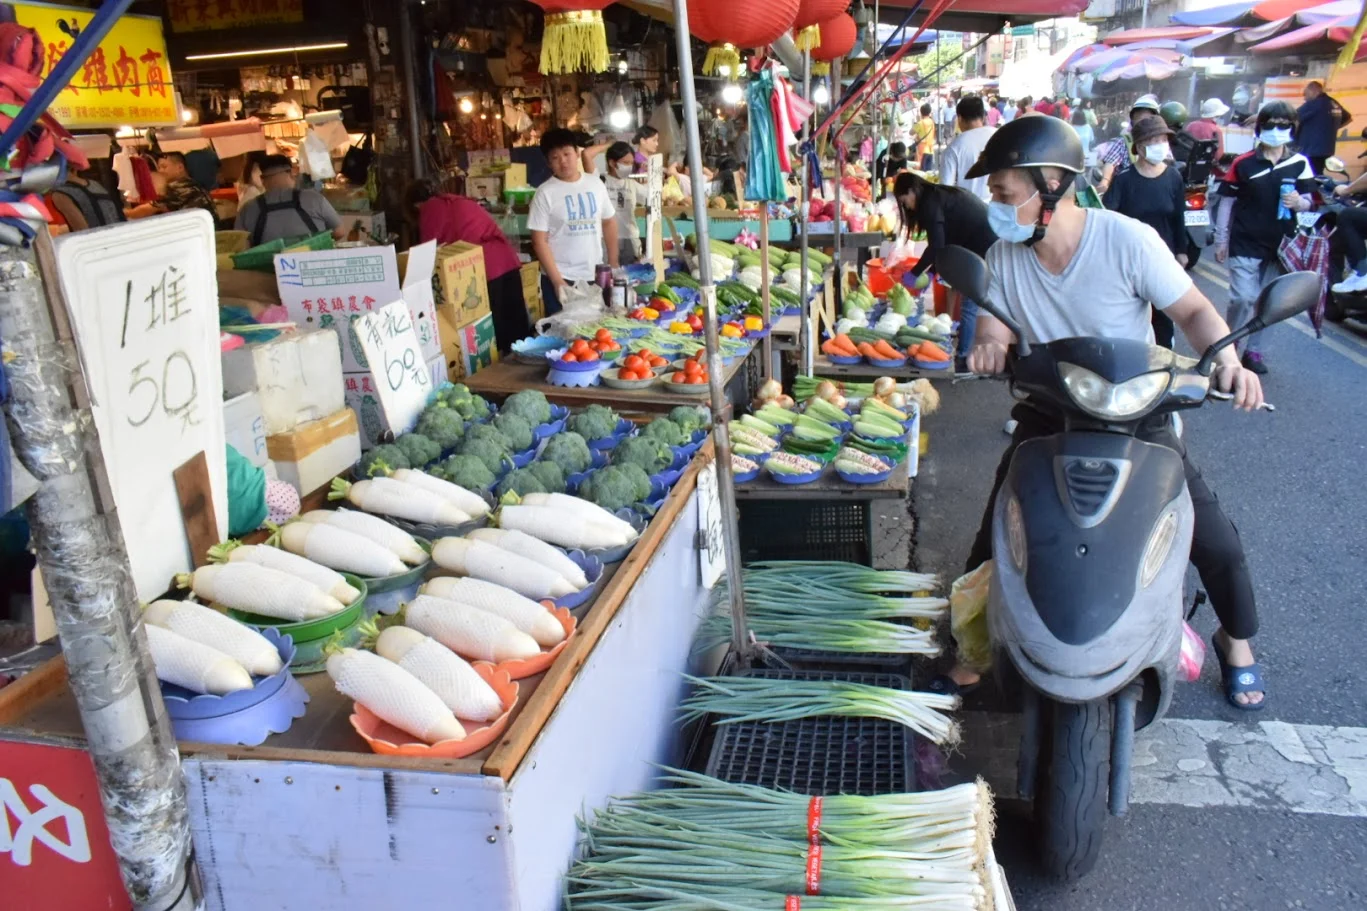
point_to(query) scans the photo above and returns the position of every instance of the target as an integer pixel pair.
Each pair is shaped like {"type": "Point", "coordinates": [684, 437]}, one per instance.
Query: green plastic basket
{"type": "Point", "coordinates": [262, 258]}
{"type": "Point", "coordinates": [1089, 198]}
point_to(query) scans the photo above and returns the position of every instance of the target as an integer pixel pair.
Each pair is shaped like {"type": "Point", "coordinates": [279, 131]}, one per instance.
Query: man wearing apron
{"type": "Point", "coordinates": [282, 211]}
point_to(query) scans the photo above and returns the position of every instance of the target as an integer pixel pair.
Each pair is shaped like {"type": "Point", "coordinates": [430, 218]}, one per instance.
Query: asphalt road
{"type": "Point", "coordinates": [1278, 823]}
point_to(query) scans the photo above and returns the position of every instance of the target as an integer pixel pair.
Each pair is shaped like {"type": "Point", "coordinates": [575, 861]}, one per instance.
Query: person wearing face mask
{"type": "Point", "coordinates": [1064, 272]}
{"type": "Point", "coordinates": [1153, 193]}
{"type": "Point", "coordinates": [1269, 185]}
{"type": "Point", "coordinates": [626, 192]}
{"type": "Point", "coordinates": [1114, 157]}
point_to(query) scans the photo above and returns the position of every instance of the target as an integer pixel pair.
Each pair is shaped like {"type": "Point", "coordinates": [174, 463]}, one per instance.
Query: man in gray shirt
{"type": "Point", "coordinates": [283, 211]}
{"type": "Point", "coordinates": [963, 152]}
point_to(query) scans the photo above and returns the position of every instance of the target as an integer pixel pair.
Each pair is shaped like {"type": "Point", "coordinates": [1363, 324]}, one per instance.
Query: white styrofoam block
{"type": "Point", "coordinates": [297, 376]}
{"type": "Point", "coordinates": [246, 428]}
{"type": "Point", "coordinates": [320, 466]}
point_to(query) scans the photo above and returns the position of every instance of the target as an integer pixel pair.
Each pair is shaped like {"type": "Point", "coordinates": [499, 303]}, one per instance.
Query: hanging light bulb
{"type": "Point", "coordinates": [731, 93]}
{"type": "Point", "coordinates": [724, 71]}
{"type": "Point", "coordinates": [619, 118]}
{"type": "Point", "coordinates": [466, 105]}
{"type": "Point", "coordinates": [623, 66]}
{"type": "Point", "coordinates": [821, 94]}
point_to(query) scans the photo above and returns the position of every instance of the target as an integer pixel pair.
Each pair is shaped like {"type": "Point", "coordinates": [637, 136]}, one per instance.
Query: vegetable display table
{"type": "Point", "coordinates": [498, 381]}
{"type": "Point", "coordinates": [312, 819]}
{"type": "Point", "coordinates": [823, 367]}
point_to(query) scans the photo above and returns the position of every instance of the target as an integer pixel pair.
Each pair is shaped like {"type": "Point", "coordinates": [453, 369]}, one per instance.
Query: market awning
{"type": "Point", "coordinates": [1229, 14]}
{"type": "Point", "coordinates": [1167, 32]}
{"type": "Point", "coordinates": [1271, 10]}
{"type": "Point", "coordinates": [1325, 38]}
{"type": "Point", "coordinates": [984, 15]}
{"type": "Point", "coordinates": [1128, 57]}
{"type": "Point", "coordinates": [1218, 42]}
{"type": "Point", "coordinates": [1329, 11]}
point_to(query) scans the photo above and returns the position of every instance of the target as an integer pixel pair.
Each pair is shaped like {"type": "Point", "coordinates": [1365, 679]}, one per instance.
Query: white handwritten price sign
{"type": "Point", "coordinates": [143, 301]}
{"type": "Point", "coordinates": [395, 356]}
{"type": "Point", "coordinates": [655, 245]}
{"type": "Point", "coordinates": [711, 553]}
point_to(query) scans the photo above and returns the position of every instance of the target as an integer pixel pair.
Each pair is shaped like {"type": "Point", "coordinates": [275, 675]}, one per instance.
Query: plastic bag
{"type": "Point", "coordinates": [314, 159]}
{"type": "Point", "coordinates": [968, 618]}
{"type": "Point", "coordinates": [583, 303]}
{"type": "Point", "coordinates": [1193, 655]}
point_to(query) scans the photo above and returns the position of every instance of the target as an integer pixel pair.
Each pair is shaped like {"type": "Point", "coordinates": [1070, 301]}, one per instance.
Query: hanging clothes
{"type": "Point", "coordinates": [765, 183]}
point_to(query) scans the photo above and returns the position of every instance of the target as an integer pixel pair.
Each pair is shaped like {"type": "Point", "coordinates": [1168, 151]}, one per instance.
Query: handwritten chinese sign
{"type": "Point", "coordinates": [398, 370]}
{"type": "Point", "coordinates": [125, 81]}
{"type": "Point", "coordinates": [655, 251]}
{"type": "Point", "coordinates": [711, 553]}
{"type": "Point", "coordinates": [144, 308]}
{"type": "Point", "coordinates": [333, 289]}
{"type": "Point", "coordinates": [206, 15]}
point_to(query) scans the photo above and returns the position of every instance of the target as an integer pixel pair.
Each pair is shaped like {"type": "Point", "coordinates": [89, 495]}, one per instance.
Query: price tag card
{"type": "Point", "coordinates": [711, 556]}
{"type": "Point", "coordinates": [395, 356]}
{"type": "Point", "coordinates": [143, 302]}
{"type": "Point", "coordinates": [655, 182]}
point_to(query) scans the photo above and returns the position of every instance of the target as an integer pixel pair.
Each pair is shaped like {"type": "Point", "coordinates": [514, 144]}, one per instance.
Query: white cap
{"type": "Point", "coordinates": [1214, 107]}
{"type": "Point", "coordinates": [1146, 102]}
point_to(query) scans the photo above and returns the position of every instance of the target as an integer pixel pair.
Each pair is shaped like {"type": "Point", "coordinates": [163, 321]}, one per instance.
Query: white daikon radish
{"type": "Point", "coordinates": [525, 614]}
{"type": "Point", "coordinates": [582, 507]}
{"type": "Point", "coordinates": [341, 549]}
{"type": "Point", "coordinates": [218, 631]}
{"type": "Point", "coordinates": [466, 501]}
{"type": "Point", "coordinates": [395, 498]}
{"type": "Point", "coordinates": [546, 554]}
{"type": "Point", "coordinates": [404, 545]}
{"type": "Point", "coordinates": [485, 561]}
{"type": "Point", "coordinates": [260, 590]}
{"type": "Point", "coordinates": [442, 671]}
{"type": "Point", "coordinates": [393, 695]}
{"type": "Point", "coordinates": [469, 631]}
{"type": "Point", "coordinates": [561, 526]}
{"type": "Point", "coordinates": [328, 580]}
{"type": "Point", "coordinates": [197, 667]}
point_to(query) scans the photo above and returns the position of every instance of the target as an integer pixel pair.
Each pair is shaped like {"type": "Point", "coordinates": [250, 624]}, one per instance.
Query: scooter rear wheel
{"type": "Point", "coordinates": [1070, 792]}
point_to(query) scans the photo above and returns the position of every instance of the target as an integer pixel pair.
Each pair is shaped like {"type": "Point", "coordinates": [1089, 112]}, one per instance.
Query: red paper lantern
{"type": "Point", "coordinates": [698, 25]}
{"type": "Point", "coordinates": [809, 14]}
{"type": "Point", "coordinates": [746, 24]}
{"type": "Point", "coordinates": [837, 38]}
{"type": "Point", "coordinates": [574, 39]}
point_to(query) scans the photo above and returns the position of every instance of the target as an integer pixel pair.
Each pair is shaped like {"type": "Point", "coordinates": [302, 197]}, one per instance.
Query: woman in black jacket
{"type": "Point", "coordinates": [949, 216]}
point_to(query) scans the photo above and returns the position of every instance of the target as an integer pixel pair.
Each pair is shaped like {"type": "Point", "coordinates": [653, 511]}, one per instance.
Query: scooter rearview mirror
{"type": "Point", "coordinates": [966, 272]}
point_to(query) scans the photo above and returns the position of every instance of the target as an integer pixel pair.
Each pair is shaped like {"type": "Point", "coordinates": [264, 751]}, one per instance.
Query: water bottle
{"type": "Point", "coordinates": [1288, 186]}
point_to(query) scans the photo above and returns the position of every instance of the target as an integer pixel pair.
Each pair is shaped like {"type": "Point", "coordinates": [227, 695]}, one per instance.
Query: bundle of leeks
{"type": "Point", "coordinates": [713, 846]}
{"type": "Point", "coordinates": [738, 699]}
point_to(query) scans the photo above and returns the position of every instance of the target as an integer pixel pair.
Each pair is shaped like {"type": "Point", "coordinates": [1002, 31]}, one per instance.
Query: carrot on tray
{"type": "Point", "coordinates": [887, 352]}
{"type": "Point", "coordinates": [869, 351]}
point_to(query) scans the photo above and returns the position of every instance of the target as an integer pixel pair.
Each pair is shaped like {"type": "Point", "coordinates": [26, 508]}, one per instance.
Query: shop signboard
{"type": "Point", "coordinates": [124, 81]}
{"type": "Point", "coordinates": [209, 15]}
{"type": "Point", "coordinates": [397, 368]}
{"type": "Point", "coordinates": [332, 289]}
{"type": "Point", "coordinates": [143, 301]}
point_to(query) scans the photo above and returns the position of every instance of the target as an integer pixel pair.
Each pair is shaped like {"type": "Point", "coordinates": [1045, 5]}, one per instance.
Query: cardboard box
{"type": "Point", "coordinates": [467, 347]}
{"type": "Point", "coordinates": [312, 454]}
{"type": "Point", "coordinates": [417, 266]}
{"type": "Point", "coordinates": [245, 427]}
{"type": "Point", "coordinates": [531, 292]}
{"type": "Point", "coordinates": [297, 377]}
{"type": "Point", "coordinates": [359, 390]}
{"type": "Point", "coordinates": [490, 188]}
{"type": "Point", "coordinates": [464, 283]}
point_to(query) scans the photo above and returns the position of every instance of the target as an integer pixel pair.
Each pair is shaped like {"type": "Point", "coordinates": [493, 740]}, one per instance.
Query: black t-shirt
{"type": "Point", "coordinates": [1159, 202]}
{"type": "Point", "coordinates": [952, 215]}
{"type": "Point", "coordinates": [1256, 185]}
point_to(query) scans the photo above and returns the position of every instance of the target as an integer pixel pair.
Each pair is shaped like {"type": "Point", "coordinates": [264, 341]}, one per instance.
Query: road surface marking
{"type": "Point", "coordinates": [1274, 765]}
{"type": "Point", "coordinates": [1331, 341]}
{"type": "Point", "coordinates": [1208, 272]}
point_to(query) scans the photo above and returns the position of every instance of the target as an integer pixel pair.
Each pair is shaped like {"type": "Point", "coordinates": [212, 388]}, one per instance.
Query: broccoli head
{"type": "Point", "coordinates": [651, 454]}
{"type": "Point", "coordinates": [488, 451]}
{"type": "Point", "coordinates": [474, 408]}
{"type": "Point", "coordinates": [516, 429]}
{"type": "Point", "coordinates": [550, 476]}
{"type": "Point", "coordinates": [690, 418]}
{"type": "Point", "coordinates": [488, 432]}
{"type": "Point", "coordinates": [452, 394]}
{"type": "Point", "coordinates": [420, 449]}
{"type": "Point", "coordinates": [387, 456]}
{"type": "Point", "coordinates": [520, 481]}
{"type": "Point", "coordinates": [466, 470]}
{"type": "Point", "coordinates": [569, 451]}
{"type": "Point", "coordinates": [442, 426]}
{"type": "Point", "coordinates": [616, 486]}
{"type": "Point", "coordinates": [530, 405]}
{"type": "Point", "coordinates": [666, 431]}
{"type": "Point", "coordinates": [596, 422]}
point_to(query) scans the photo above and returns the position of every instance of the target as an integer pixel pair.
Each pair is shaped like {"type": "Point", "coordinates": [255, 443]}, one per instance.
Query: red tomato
{"type": "Point", "coordinates": [603, 335]}
{"type": "Point", "coordinates": [589, 355]}
{"type": "Point", "coordinates": [633, 362]}
{"type": "Point", "coordinates": [626, 373]}
{"type": "Point", "coordinates": [646, 353]}
{"type": "Point", "coordinates": [658, 362]}
{"type": "Point", "coordinates": [647, 374]}
{"type": "Point", "coordinates": [579, 344]}
{"type": "Point", "coordinates": [692, 368]}
{"type": "Point", "coordinates": [679, 377]}
{"type": "Point", "coordinates": [569, 357]}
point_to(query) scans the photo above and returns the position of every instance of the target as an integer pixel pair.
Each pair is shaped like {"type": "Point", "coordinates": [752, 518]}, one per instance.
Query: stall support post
{"type": "Point", "coordinates": [839, 212]}
{"type": "Point", "coordinates": [808, 314]}
{"type": "Point", "coordinates": [85, 568]}
{"type": "Point", "coordinates": [721, 410]}
{"type": "Point", "coordinates": [767, 345]}
{"type": "Point", "coordinates": [410, 87]}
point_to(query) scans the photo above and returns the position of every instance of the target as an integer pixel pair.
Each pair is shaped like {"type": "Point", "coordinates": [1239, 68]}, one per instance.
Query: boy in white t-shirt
{"type": "Point", "coordinates": [570, 218]}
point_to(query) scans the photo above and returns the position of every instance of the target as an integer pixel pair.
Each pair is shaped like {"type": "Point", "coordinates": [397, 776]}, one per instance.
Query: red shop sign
{"type": "Point", "coordinates": [54, 846]}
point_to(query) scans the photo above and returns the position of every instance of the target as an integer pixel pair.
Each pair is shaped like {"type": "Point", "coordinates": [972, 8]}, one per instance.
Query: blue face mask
{"type": "Point", "coordinates": [1001, 217]}
{"type": "Point", "coordinates": [1275, 138]}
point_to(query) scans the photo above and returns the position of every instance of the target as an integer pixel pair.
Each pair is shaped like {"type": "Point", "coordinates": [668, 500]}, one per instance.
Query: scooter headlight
{"type": "Point", "coordinates": [1101, 398]}
{"type": "Point", "coordinates": [1156, 552]}
{"type": "Point", "coordinates": [1015, 533]}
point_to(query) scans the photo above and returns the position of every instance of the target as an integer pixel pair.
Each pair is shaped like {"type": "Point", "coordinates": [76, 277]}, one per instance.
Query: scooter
{"type": "Point", "coordinates": [1091, 535]}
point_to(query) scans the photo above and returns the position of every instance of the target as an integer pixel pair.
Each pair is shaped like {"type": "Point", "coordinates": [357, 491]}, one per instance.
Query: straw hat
{"type": "Point", "coordinates": [1214, 107]}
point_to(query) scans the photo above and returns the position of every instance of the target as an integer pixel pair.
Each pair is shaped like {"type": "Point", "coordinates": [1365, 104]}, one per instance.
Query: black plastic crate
{"type": "Point", "coordinates": [804, 530]}
{"type": "Point", "coordinates": [808, 659]}
{"type": "Point", "coordinates": [818, 756]}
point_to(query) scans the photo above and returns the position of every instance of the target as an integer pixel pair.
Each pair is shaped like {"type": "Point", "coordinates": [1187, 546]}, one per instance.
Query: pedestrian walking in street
{"type": "Point", "coordinates": [1269, 185]}
{"type": "Point", "coordinates": [925, 139]}
{"type": "Point", "coordinates": [1321, 117]}
{"type": "Point", "coordinates": [1084, 131]}
{"type": "Point", "coordinates": [963, 152]}
{"type": "Point", "coordinates": [1114, 157]}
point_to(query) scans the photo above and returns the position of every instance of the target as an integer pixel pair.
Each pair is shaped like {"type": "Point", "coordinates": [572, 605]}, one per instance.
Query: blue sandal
{"type": "Point", "coordinates": [1240, 680]}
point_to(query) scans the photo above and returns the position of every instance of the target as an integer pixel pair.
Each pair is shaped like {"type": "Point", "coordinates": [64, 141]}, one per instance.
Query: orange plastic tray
{"type": "Point", "coordinates": [388, 740]}
{"type": "Point", "coordinates": [526, 667]}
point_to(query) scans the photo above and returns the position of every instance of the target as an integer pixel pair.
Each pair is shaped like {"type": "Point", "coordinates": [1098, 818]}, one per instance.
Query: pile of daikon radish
{"type": "Point", "coordinates": [412, 495]}
{"type": "Point", "coordinates": [196, 647]}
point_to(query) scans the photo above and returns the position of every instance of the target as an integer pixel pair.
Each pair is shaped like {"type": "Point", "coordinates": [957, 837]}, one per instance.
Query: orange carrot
{"type": "Point", "coordinates": [846, 345]}
{"type": "Point", "coordinates": [869, 351]}
{"type": "Point", "coordinates": [888, 352]}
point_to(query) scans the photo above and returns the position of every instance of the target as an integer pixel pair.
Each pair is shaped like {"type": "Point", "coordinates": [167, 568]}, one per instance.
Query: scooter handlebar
{"type": "Point", "coordinates": [1225, 397]}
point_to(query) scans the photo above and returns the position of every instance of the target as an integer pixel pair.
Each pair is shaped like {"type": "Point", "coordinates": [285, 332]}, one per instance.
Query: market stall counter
{"type": "Point", "coordinates": [311, 818]}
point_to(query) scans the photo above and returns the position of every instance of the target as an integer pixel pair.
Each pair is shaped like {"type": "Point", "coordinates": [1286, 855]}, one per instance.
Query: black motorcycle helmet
{"type": "Point", "coordinates": [1033, 143]}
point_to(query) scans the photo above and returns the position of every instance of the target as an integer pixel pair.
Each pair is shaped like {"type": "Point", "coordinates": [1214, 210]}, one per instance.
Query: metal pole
{"type": "Point", "coordinates": [767, 345]}
{"type": "Point", "coordinates": [877, 110]}
{"type": "Point", "coordinates": [84, 564]}
{"type": "Point", "coordinates": [410, 88]}
{"type": "Point", "coordinates": [839, 216]}
{"type": "Point", "coordinates": [808, 335]}
{"type": "Point", "coordinates": [721, 409]}
{"type": "Point", "coordinates": [1144, 15]}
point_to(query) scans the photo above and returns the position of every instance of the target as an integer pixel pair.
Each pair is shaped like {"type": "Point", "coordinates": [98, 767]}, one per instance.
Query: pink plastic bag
{"type": "Point", "coordinates": [1193, 655]}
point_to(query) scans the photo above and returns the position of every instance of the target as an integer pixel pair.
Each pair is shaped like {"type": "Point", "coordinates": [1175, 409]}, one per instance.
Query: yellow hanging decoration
{"type": "Point", "coordinates": [720, 55]}
{"type": "Point", "coordinates": [1350, 49]}
{"type": "Point", "coordinates": [575, 41]}
{"type": "Point", "coordinates": [821, 68]}
{"type": "Point", "coordinates": [808, 38]}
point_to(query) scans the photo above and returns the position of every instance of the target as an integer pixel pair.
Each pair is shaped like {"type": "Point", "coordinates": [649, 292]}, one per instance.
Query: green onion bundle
{"type": "Point", "coordinates": [765, 699]}
{"type": "Point", "coordinates": [851, 576]}
{"type": "Point", "coordinates": [827, 635]}
{"type": "Point", "coordinates": [714, 846]}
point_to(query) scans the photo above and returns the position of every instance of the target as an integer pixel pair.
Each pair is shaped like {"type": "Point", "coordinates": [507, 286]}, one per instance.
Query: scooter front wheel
{"type": "Point", "coordinates": [1073, 781]}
